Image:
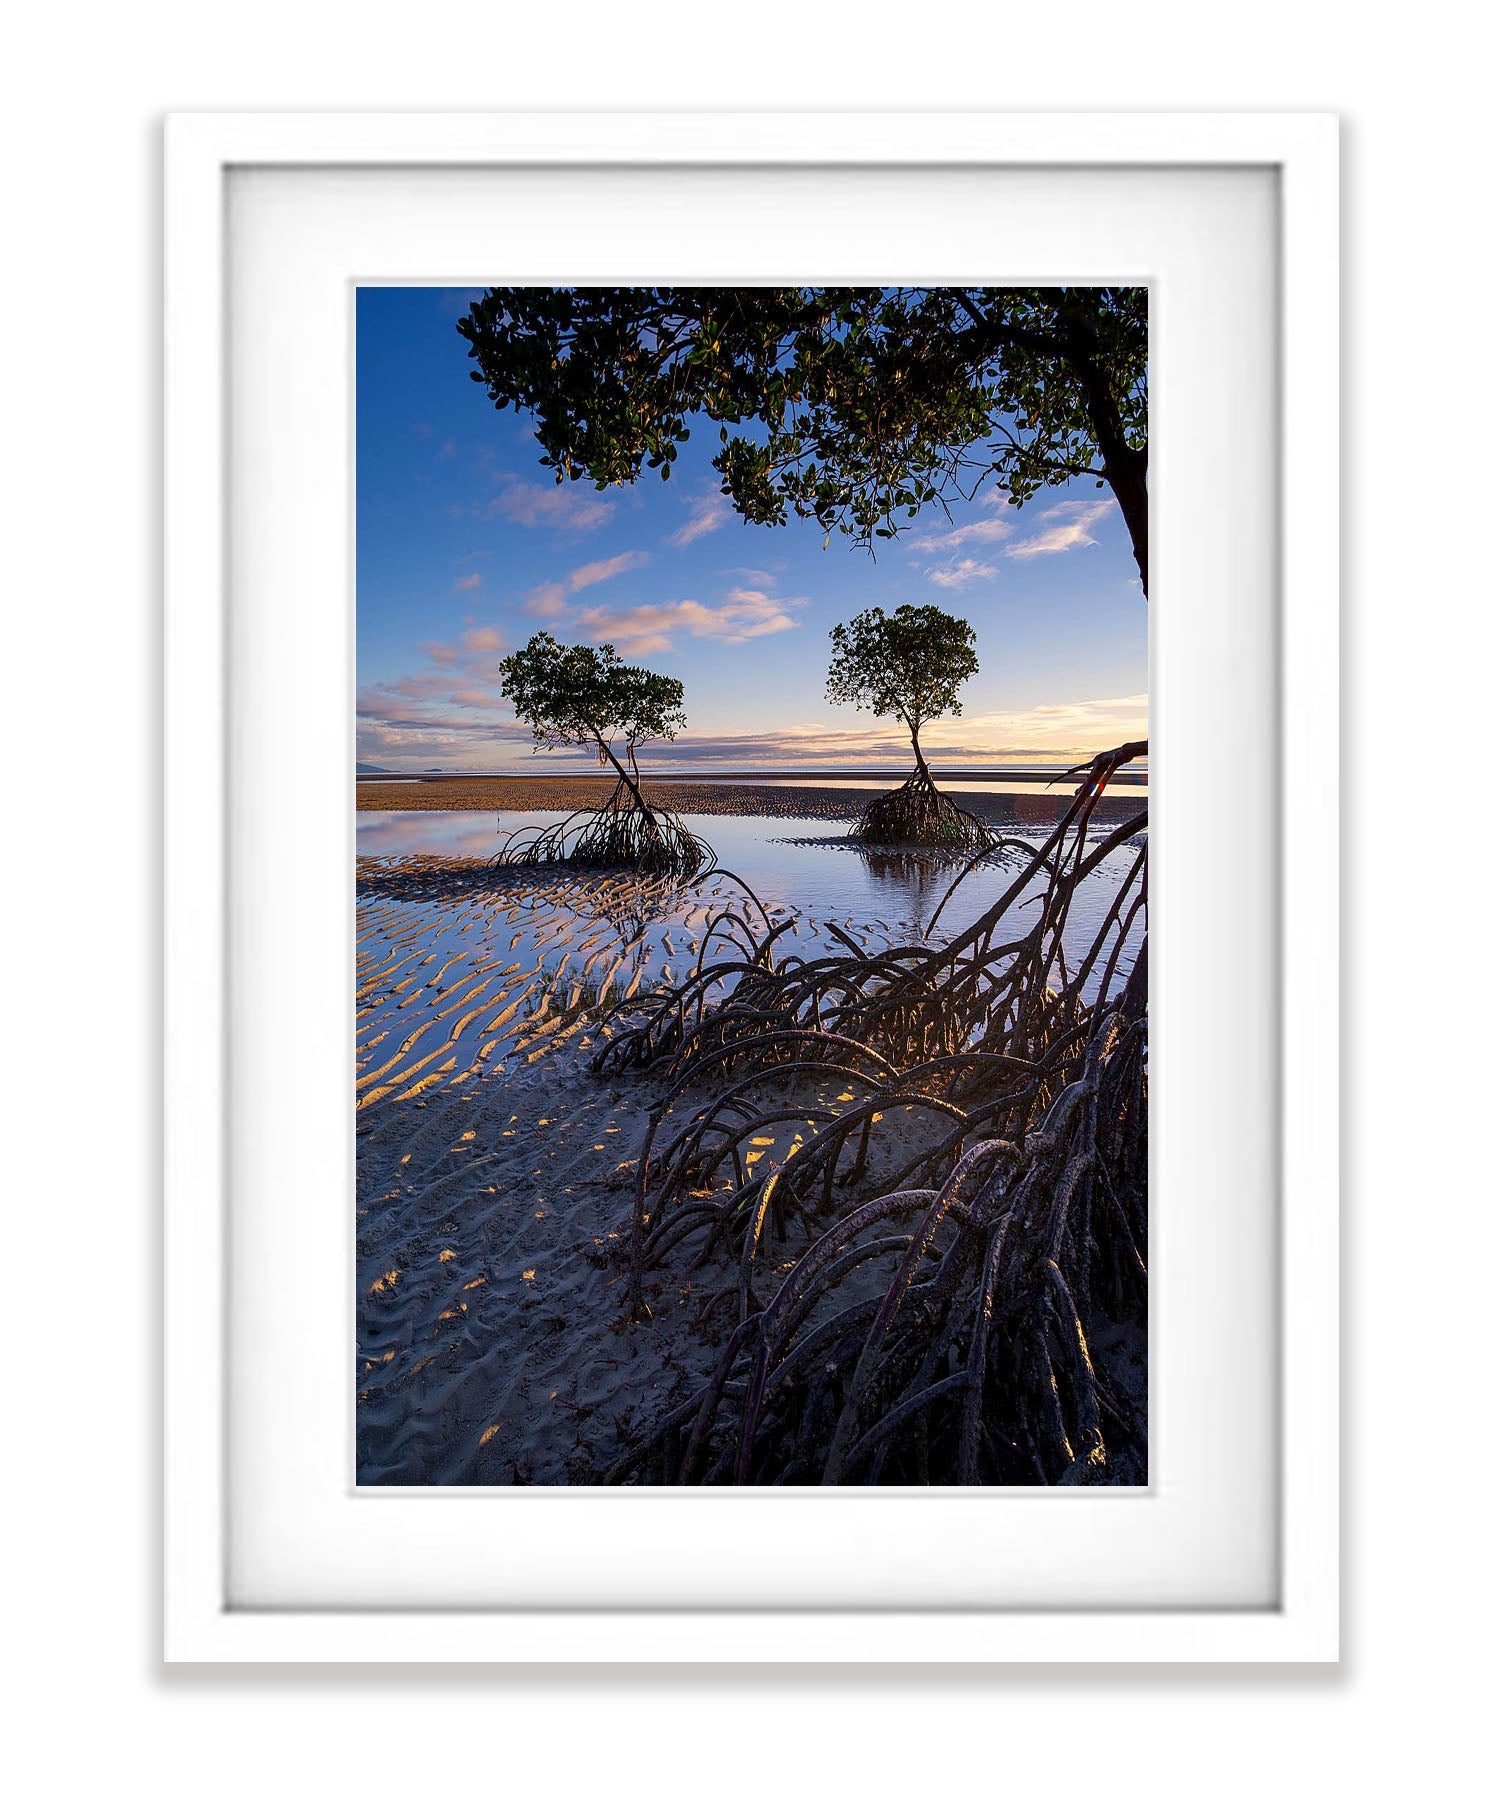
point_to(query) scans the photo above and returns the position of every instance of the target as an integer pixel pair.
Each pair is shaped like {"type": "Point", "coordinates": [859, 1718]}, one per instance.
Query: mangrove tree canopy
{"type": "Point", "coordinates": [856, 407]}
{"type": "Point", "coordinates": [906, 665]}
{"type": "Point", "coordinates": [583, 694]}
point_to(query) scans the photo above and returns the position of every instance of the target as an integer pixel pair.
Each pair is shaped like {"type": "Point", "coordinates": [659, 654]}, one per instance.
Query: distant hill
{"type": "Point", "coordinates": [370, 769]}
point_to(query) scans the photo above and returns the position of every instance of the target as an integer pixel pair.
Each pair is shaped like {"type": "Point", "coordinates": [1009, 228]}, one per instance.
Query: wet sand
{"type": "Point", "coordinates": [720, 797]}
{"type": "Point", "coordinates": [494, 1173]}
{"type": "Point", "coordinates": [495, 1169]}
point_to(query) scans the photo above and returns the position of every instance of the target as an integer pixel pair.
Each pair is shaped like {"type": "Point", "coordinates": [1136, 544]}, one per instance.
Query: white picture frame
{"type": "Point", "coordinates": [1299, 1623]}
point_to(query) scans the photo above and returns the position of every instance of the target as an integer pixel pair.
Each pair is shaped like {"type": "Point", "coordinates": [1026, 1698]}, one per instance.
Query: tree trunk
{"type": "Point", "coordinates": [916, 750]}
{"type": "Point", "coordinates": [1125, 471]}
{"type": "Point", "coordinates": [1077, 342]}
{"type": "Point", "coordinates": [1124, 468]}
{"type": "Point", "coordinates": [624, 775]}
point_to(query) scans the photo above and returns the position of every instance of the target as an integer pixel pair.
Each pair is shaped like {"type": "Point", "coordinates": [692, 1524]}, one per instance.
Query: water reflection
{"type": "Point", "coordinates": [430, 833]}
{"type": "Point", "coordinates": [922, 880]}
{"type": "Point", "coordinates": [792, 864]}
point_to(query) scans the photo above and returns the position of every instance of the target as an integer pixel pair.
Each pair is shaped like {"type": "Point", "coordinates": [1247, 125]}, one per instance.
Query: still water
{"type": "Point", "coordinates": [804, 865]}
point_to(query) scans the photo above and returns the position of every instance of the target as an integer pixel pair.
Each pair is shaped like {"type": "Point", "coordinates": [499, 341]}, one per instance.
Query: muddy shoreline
{"type": "Point", "coordinates": [765, 800]}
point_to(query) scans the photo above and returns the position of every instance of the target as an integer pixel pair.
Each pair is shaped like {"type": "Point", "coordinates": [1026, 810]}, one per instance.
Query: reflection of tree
{"type": "Point", "coordinates": [907, 868]}
{"type": "Point", "coordinates": [927, 875]}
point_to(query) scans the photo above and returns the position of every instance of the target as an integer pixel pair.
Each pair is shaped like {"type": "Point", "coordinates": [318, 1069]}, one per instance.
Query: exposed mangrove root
{"type": "Point", "coordinates": [967, 1161]}
{"type": "Point", "coordinates": [916, 813]}
{"type": "Point", "coordinates": [626, 832]}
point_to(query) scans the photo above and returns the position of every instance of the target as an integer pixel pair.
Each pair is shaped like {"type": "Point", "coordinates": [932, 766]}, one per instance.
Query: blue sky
{"type": "Point", "coordinates": [466, 546]}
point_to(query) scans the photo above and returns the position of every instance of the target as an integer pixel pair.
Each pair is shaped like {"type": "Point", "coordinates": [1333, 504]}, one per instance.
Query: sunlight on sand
{"type": "Point", "coordinates": [494, 1169]}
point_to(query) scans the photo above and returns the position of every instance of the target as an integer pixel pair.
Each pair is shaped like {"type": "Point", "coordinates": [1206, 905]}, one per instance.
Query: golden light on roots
{"type": "Point", "coordinates": [972, 1189]}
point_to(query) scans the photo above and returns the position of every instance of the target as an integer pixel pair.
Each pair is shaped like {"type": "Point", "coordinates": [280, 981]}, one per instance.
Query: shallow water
{"type": "Point", "coordinates": [453, 973]}
{"type": "Point", "coordinates": [805, 865]}
{"type": "Point", "coordinates": [462, 969]}
{"type": "Point", "coordinates": [493, 1163]}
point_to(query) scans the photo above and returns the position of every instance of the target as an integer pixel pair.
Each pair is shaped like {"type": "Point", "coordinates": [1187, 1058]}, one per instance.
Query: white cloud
{"type": "Point", "coordinates": [1073, 519]}
{"type": "Point", "coordinates": [709, 512]}
{"type": "Point", "coordinates": [959, 572]}
{"type": "Point", "coordinates": [1068, 526]}
{"type": "Point", "coordinates": [989, 528]}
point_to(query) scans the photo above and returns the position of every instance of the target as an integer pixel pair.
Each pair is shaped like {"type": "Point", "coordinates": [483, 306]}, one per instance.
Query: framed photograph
{"type": "Point", "coordinates": [692, 641]}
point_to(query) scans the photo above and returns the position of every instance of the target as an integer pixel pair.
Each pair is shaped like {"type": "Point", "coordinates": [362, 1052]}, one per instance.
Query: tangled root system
{"type": "Point", "coordinates": [916, 813]}
{"type": "Point", "coordinates": [624, 833]}
{"type": "Point", "coordinates": [969, 1173]}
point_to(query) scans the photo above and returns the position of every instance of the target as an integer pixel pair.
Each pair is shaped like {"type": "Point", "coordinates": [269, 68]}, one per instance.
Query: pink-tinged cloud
{"type": "Point", "coordinates": [440, 653]}
{"type": "Point", "coordinates": [565, 507]}
{"type": "Point", "coordinates": [593, 573]}
{"type": "Point", "coordinates": [550, 600]}
{"type": "Point", "coordinates": [743, 614]}
{"type": "Point", "coordinates": [483, 637]}
{"type": "Point", "coordinates": [417, 736]}
{"type": "Point", "coordinates": [547, 601]}
{"type": "Point", "coordinates": [467, 583]}
{"type": "Point", "coordinates": [432, 688]}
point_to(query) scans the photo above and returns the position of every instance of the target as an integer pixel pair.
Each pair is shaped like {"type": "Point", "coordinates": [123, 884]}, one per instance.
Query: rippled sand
{"type": "Point", "coordinates": [494, 1170]}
